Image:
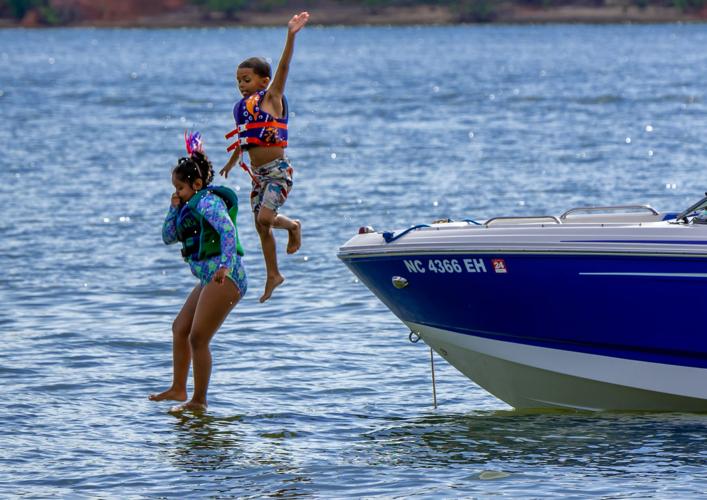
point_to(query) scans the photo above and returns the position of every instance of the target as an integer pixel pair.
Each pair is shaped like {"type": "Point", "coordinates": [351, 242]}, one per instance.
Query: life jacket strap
{"type": "Point", "coordinates": [253, 125]}
{"type": "Point", "coordinates": [251, 141]}
{"type": "Point", "coordinates": [245, 167]}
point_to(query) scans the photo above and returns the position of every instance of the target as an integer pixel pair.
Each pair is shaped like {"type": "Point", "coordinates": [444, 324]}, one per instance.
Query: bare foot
{"type": "Point", "coordinates": [271, 284]}
{"type": "Point", "coordinates": [169, 394]}
{"type": "Point", "coordinates": [190, 406]}
{"type": "Point", "coordinates": [294, 240]}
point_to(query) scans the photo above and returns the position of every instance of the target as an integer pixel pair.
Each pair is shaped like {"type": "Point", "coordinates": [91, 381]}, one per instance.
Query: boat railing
{"type": "Point", "coordinates": [523, 217]}
{"type": "Point", "coordinates": [565, 216]}
{"type": "Point", "coordinates": [609, 208]}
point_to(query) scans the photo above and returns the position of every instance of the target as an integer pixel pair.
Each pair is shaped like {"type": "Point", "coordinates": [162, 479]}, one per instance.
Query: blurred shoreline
{"type": "Point", "coordinates": [355, 15]}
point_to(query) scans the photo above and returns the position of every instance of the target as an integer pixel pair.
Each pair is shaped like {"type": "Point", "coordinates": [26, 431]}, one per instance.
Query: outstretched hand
{"type": "Point", "coordinates": [226, 169]}
{"type": "Point", "coordinates": [297, 22]}
{"type": "Point", "coordinates": [236, 157]}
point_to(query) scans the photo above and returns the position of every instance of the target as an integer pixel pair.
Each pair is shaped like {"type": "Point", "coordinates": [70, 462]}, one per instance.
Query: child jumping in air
{"type": "Point", "coordinates": [261, 129]}
{"type": "Point", "coordinates": [202, 217]}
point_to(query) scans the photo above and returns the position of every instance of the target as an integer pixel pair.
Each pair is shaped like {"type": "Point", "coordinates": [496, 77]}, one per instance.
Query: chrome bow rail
{"type": "Point", "coordinates": [607, 208]}
{"type": "Point", "coordinates": [563, 217]}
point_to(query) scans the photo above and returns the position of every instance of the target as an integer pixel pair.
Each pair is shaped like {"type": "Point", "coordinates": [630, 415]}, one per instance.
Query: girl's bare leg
{"type": "Point", "coordinates": [181, 352]}
{"type": "Point", "coordinates": [215, 302]}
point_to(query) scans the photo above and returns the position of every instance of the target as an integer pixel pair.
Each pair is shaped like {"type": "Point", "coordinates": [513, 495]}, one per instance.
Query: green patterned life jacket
{"type": "Point", "coordinates": [199, 239]}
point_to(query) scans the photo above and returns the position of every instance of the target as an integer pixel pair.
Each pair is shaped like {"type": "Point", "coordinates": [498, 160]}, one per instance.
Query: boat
{"type": "Point", "coordinates": [599, 308]}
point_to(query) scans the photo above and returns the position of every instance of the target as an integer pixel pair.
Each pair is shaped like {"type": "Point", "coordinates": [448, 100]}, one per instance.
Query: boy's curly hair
{"type": "Point", "coordinates": [193, 167]}
{"type": "Point", "coordinates": [259, 66]}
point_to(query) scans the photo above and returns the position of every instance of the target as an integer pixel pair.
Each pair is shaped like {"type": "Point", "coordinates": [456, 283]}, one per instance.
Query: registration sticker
{"type": "Point", "coordinates": [499, 265]}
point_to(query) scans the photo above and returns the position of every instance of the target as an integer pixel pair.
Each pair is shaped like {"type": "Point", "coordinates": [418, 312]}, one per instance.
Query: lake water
{"type": "Point", "coordinates": [318, 392]}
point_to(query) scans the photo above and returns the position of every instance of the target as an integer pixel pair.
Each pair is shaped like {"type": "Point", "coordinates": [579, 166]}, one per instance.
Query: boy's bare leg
{"type": "Point", "coordinates": [294, 230]}
{"type": "Point", "coordinates": [264, 221]}
{"type": "Point", "coordinates": [215, 302]}
{"type": "Point", "coordinates": [181, 352]}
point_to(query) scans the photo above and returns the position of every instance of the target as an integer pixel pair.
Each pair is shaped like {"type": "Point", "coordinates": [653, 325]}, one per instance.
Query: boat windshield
{"type": "Point", "coordinates": [697, 207]}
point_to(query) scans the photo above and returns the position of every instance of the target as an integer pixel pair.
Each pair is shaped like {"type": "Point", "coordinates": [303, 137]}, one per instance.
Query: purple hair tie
{"type": "Point", "coordinates": [192, 141]}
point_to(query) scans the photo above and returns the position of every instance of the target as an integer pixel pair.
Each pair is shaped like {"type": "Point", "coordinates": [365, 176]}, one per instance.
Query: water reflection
{"type": "Point", "coordinates": [203, 442]}
{"type": "Point", "coordinates": [608, 443]}
{"type": "Point", "coordinates": [226, 448]}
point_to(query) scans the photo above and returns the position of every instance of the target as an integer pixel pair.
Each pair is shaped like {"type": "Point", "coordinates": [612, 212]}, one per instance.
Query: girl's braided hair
{"type": "Point", "coordinates": [196, 165]}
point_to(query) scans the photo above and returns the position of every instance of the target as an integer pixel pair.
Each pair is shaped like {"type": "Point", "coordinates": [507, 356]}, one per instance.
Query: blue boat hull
{"type": "Point", "coordinates": [643, 308]}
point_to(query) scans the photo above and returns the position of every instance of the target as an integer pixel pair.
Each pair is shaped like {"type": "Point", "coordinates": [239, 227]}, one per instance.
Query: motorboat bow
{"type": "Point", "coordinates": [596, 309]}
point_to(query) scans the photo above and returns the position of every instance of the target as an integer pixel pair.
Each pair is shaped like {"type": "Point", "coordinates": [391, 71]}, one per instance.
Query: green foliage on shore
{"type": "Point", "coordinates": [18, 9]}
{"type": "Point", "coordinates": [686, 5]}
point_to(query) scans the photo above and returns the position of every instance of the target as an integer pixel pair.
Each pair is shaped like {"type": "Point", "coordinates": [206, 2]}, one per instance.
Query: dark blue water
{"type": "Point", "coordinates": [318, 392]}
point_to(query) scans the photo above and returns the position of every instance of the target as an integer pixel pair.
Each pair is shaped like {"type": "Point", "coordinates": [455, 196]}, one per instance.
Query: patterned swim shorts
{"type": "Point", "coordinates": [272, 184]}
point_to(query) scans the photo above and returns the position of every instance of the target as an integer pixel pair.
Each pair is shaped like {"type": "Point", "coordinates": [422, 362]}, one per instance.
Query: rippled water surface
{"type": "Point", "coordinates": [318, 392]}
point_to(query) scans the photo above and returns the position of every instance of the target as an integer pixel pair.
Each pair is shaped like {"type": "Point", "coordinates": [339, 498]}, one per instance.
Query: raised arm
{"type": "Point", "coordinates": [277, 87]}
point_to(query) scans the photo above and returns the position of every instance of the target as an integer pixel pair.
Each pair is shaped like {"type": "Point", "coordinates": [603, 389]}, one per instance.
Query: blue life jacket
{"type": "Point", "coordinates": [199, 238]}
{"type": "Point", "coordinates": [255, 127]}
